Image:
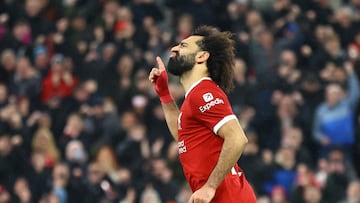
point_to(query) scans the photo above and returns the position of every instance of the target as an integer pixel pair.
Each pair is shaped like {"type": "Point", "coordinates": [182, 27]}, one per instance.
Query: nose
{"type": "Point", "coordinates": [175, 48]}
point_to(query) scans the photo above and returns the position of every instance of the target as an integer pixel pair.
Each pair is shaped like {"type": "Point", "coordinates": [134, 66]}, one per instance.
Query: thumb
{"type": "Point", "coordinates": [160, 64]}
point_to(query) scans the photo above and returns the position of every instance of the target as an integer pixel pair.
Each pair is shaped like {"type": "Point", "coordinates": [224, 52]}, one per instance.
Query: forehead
{"type": "Point", "coordinates": [191, 41]}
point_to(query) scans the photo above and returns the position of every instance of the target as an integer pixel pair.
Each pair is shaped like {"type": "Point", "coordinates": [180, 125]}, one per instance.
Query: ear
{"type": "Point", "coordinates": [202, 56]}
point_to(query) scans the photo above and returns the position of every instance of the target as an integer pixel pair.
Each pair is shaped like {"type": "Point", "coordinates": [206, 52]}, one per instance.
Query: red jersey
{"type": "Point", "coordinates": [205, 109]}
{"type": "Point", "coordinates": [49, 90]}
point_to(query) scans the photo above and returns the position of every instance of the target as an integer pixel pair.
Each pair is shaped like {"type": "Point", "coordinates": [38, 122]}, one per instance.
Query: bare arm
{"type": "Point", "coordinates": [158, 77]}
{"type": "Point", "coordinates": [171, 112]}
{"type": "Point", "coordinates": [234, 144]}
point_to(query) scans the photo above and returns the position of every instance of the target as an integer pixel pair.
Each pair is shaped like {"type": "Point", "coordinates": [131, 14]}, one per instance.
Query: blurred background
{"type": "Point", "coordinates": [80, 122]}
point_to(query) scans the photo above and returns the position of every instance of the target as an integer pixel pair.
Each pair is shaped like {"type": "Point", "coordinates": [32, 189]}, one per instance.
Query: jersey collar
{"type": "Point", "coordinates": [195, 84]}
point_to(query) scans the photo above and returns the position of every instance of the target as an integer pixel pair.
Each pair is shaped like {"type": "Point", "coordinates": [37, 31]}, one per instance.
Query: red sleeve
{"type": "Point", "coordinates": [211, 107]}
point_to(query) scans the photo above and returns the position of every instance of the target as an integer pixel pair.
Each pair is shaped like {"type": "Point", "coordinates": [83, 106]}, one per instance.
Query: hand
{"type": "Point", "coordinates": [67, 77]}
{"type": "Point", "coordinates": [4, 17]}
{"type": "Point", "coordinates": [325, 141]}
{"type": "Point", "coordinates": [62, 24]}
{"type": "Point", "coordinates": [56, 79]}
{"type": "Point", "coordinates": [203, 195]}
{"type": "Point", "coordinates": [155, 72]}
{"type": "Point", "coordinates": [306, 50]}
{"type": "Point", "coordinates": [34, 117]}
{"type": "Point", "coordinates": [349, 68]}
{"type": "Point", "coordinates": [16, 140]}
{"type": "Point", "coordinates": [159, 78]}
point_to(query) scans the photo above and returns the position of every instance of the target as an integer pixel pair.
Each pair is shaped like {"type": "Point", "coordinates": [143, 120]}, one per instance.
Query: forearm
{"type": "Point", "coordinates": [317, 135]}
{"type": "Point", "coordinates": [353, 84]}
{"type": "Point", "coordinates": [171, 113]}
{"type": "Point", "coordinates": [233, 146]}
{"type": "Point", "coordinates": [316, 131]}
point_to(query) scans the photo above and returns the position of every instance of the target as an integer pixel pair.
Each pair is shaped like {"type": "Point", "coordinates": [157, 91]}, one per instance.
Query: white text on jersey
{"type": "Point", "coordinates": [208, 105]}
{"type": "Point", "coordinates": [179, 121]}
{"type": "Point", "coordinates": [181, 146]}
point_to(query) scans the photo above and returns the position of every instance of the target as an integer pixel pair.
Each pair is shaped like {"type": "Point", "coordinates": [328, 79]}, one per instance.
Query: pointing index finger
{"type": "Point", "coordinates": [160, 64]}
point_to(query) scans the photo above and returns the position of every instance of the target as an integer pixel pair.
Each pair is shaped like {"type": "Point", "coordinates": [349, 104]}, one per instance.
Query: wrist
{"type": "Point", "coordinates": [167, 98]}
{"type": "Point", "coordinates": [162, 88]}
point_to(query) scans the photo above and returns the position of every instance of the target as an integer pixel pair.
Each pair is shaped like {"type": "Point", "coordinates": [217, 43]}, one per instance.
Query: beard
{"type": "Point", "coordinates": [178, 65]}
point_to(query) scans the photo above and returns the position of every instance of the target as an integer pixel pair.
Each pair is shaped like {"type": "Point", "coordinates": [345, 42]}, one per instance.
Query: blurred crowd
{"type": "Point", "coordinates": [80, 122]}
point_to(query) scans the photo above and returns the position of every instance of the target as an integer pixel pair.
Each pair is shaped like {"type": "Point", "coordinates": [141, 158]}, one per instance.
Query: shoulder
{"type": "Point", "coordinates": [206, 91]}
{"type": "Point", "coordinates": [206, 96]}
{"type": "Point", "coordinates": [322, 108]}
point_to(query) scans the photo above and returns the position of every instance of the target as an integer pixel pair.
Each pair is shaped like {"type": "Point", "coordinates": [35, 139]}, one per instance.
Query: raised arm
{"type": "Point", "coordinates": [159, 78]}
{"type": "Point", "coordinates": [353, 84]}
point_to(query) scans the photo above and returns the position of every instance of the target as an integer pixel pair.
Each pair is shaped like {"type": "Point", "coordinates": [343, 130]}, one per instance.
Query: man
{"type": "Point", "coordinates": [209, 136]}
{"type": "Point", "coordinates": [334, 118]}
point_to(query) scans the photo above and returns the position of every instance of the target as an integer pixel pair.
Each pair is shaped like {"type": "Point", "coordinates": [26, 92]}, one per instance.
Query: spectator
{"type": "Point", "coordinates": [134, 145]}
{"type": "Point", "coordinates": [26, 81]}
{"type": "Point", "coordinates": [185, 25]}
{"type": "Point", "coordinates": [22, 191]}
{"type": "Point", "coordinates": [95, 175]}
{"type": "Point", "coordinates": [75, 103]}
{"type": "Point", "coordinates": [338, 179]}
{"type": "Point", "coordinates": [355, 5]}
{"type": "Point", "coordinates": [293, 138]}
{"type": "Point", "coordinates": [106, 158]}
{"type": "Point", "coordinates": [285, 171]}
{"type": "Point", "coordinates": [8, 65]}
{"type": "Point", "coordinates": [37, 174]}
{"type": "Point", "coordinates": [305, 181]}
{"type": "Point", "coordinates": [278, 195]}
{"type": "Point", "coordinates": [122, 81]}
{"type": "Point", "coordinates": [74, 130]}
{"type": "Point", "coordinates": [3, 95]}
{"type": "Point", "coordinates": [264, 46]}
{"type": "Point", "coordinates": [352, 192]}
{"type": "Point", "coordinates": [19, 38]}
{"type": "Point", "coordinates": [244, 85]}
{"type": "Point", "coordinates": [32, 11]}
{"type": "Point", "coordinates": [41, 61]}
{"type": "Point", "coordinates": [312, 195]}
{"type": "Point", "coordinates": [150, 195]}
{"type": "Point", "coordinates": [251, 161]}
{"type": "Point", "coordinates": [288, 72]}
{"type": "Point", "coordinates": [8, 162]}
{"type": "Point", "coordinates": [101, 123]}
{"type": "Point", "coordinates": [44, 143]}
{"type": "Point", "coordinates": [335, 114]}
{"type": "Point", "coordinates": [162, 180]}
{"type": "Point", "coordinates": [331, 51]}
{"type": "Point", "coordinates": [4, 195]}
{"type": "Point", "coordinates": [76, 155]}
{"type": "Point", "coordinates": [59, 82]}
{"type": "Point", "coordinates": [60, 180]}
{"type": "Point", "coordinates": [345, 26]}
{"type": "Point", "coordinates": [142, 10]}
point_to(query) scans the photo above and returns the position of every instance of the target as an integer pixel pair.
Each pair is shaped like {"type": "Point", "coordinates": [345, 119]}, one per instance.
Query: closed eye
{"type": "Point", "coordinates": [183, 44]}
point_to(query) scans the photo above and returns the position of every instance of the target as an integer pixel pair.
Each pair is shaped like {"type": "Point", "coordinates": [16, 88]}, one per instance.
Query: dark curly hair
{"type": "Point", "coordinates": [220, 46]}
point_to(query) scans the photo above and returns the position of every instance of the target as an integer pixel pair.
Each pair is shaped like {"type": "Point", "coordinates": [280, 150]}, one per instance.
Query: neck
{"type": "Point", "coordinates": [187, 79]}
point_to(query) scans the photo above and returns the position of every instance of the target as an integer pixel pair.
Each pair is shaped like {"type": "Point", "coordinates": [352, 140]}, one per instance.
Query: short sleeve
{"type": "Point", "coordinates": [211, 107]}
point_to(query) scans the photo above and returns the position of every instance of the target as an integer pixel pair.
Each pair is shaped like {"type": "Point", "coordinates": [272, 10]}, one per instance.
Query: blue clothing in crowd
{"type": "Point", "coordinates": [337, 122]}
